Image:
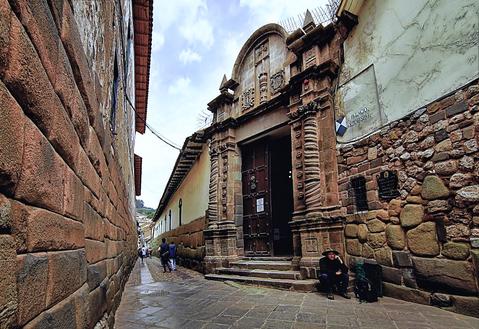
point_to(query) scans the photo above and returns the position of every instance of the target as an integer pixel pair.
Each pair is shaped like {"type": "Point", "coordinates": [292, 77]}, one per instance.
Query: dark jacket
{"type": "Point", "coordinates": [164, 250]}
{"type": "Point", "coordinates": [172, 250]}
{"type": "Point", "coordinates": [330, 267]}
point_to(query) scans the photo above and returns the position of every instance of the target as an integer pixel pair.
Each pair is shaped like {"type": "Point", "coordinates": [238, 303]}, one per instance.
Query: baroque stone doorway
{"type": "Point", "coordinates": [267, 197]}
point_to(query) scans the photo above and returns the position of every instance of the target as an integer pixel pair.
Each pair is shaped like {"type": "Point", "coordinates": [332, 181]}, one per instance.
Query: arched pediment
{"type": "Point", "coordinates": [259, 68]}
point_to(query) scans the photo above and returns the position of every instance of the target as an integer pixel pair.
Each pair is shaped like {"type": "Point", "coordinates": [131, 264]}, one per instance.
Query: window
{"type": "Point", "coordinates": [180, 205]}
{"type": "Point", "coordinates": [114, 95]}
{"type": "Point", "coordinates": [358, 185]}
{"type": "Point", "coordinates": [169, 215]}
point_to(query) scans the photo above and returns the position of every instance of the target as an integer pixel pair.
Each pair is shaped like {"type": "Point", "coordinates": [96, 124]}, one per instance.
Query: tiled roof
{"type": "Point", "coordinates": [143, 27]}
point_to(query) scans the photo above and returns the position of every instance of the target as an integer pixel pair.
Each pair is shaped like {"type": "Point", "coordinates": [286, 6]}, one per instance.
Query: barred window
{"type": "Point", "coordinates": [358, 185]}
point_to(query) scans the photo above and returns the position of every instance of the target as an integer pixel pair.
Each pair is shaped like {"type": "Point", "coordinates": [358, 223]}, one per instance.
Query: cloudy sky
{"type": "Point", "coordinates": [195, 42]}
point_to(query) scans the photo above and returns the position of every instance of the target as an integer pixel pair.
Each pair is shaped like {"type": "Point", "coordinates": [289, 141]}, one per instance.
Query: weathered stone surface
{"type": "Point", "coordinates": [62, 315]}
{"type": "Point", "coordinates": [411, 215]}
{"type": "Point", "coordinates": [375, 226]}
{"type": "Point", "coordinates": [95, 251]}
{"type": "Point", "coordinates": [466, 305]}
{"type": "Point", "coordinates": [458, 232]}
{"type": "Point", "coordinates": [468, 194]}
{"type": "Point", "coordinates": [422, 240]}
{"type": "Point", "coordinates": [49, 231]}
{"type": "Point", "coordinates": [441, 300]}
{"type": "Point", "coordinates": [396, 237]}
{"type": "Point", "coordinates": [368, 252]}
{"type": "Point", "coordinates": [95, 274]}
{"type": "Point", "coordinates": [453, 250]}
{"type": "Point", "coordinates": [353, 247]}
{"type": "Point", "coordinates": [394, 208]}
{"type": "Point", "coordinates": [32, 278]}
{"type": "Point", "coordinates": [382, 215]}
{"type": "Point", "coordinates": [391, 274]}
{"type": "Point", "coordinates": [67, 273]}
{"type": "Point", "coordinates": [446, 167]}
{"type": "Point", "coordinates": [459, 180]}
{"type": "Point", "coordinates": [445, 145]}
{"type": "Point", "coordinates": [452, 275]}
{"type": "Point", "coordinates": [416, 199]}
{"type": "Point", "coordinates": [404, 293]}
{"type": "Point", "coordinates": [11, 140]}
{"type": "Point", "coordinates": [435, 206]}
{"type": "Point", "coordinates": [97, 301]}
{"type": "Point", "coordinates": [362, 232]}
{"type": "Point", "coordinates": [433, 188]}
{"type": "Point", "coordinates": [5, 214]}
{"type": "Point", "coordinates": [466, 163]}
{"type": "Point", "coordinates": [402, 258]}
{"type": "Point", "coordinates": [351, 230]}
{"type": "Point", "coordinates": [8, 281]}
{"type": "Point", "coordinates": [376, 240]}
{"type": "Point", "coordinates": [383, 256]}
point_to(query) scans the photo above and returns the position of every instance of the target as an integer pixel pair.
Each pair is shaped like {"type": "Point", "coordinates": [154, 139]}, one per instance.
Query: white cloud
{"type": "Point", "coordinates": [189, 56]}
{"type": "Point", "coordinates": [198, 31]}
{"type": "Point", "coordinates": [179, 86]}
{"type": "Point", "coordinates": [158, 40]}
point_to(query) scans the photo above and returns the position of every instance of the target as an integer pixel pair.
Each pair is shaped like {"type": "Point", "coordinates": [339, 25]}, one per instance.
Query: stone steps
{"type": "Point", "coordinates": [260, 273]}
{"type": "Point", "coordinates": [297, 285]}
{"type": "Point", "coordinates": [263, 264]}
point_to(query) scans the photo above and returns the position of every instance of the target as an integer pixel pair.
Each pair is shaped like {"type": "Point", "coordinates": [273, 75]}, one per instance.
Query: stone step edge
{"type": "Point", "coordinates": [298, 285]}
{"type": "Point", "coordinates": [262, 273]}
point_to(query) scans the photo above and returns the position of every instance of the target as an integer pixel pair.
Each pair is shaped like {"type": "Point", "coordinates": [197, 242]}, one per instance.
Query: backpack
{"type": "Point", "coordinates": [362, 286]}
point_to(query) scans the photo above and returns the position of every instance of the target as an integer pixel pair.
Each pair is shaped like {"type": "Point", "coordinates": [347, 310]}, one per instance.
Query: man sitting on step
{"type": "Point", "coordinates": [333, 272]}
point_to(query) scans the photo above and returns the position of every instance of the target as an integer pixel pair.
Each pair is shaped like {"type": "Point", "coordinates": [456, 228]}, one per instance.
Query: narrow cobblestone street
{"type": "Point", "coordinates": [184, 299]}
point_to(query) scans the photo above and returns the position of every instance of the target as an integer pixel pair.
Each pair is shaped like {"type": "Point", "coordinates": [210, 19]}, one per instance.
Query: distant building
{"type": "Point", "coordinates": [72, 75]}
{"type": "Point", "coordinates": [360, 134]}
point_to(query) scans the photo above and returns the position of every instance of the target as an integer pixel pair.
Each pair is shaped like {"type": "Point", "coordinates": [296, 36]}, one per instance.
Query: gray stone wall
{"type": "Point", "coordinates": [426, 238]}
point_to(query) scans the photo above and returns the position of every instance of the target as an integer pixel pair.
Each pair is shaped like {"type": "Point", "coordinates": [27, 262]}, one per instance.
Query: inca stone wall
{"type": "Point", "coordinates": [189, 242]}
{"type": "Point", "coordinates": [426, 238]}
{"type": "Point", "coordinates": [67, 236]}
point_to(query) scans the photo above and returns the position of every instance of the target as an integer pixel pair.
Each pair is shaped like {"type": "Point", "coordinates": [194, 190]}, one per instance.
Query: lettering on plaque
{"type": "Point", "coordinates": [388, 185]}
{"type": "Point", "coordinates": [358, 117]}
{"type": "Point", "coordinates": [260, 205]}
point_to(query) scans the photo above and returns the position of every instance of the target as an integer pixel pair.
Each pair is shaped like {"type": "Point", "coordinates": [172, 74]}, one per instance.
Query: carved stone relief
{"type": "Point", "coordinates": [213, 187]}
{"type": "Point", "coordinates": [263, 87]}
{"type": "Point", "coordinates": [247, 98]}
{"type": "Point", "coordinates": [277, 81]}
{"type": "Point", "coordinates": [309, 58]}
{"type": "Point", "coordinates": [261, 52]}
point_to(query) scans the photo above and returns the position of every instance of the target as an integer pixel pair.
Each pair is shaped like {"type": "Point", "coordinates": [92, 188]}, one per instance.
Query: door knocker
{"type": "Point", "coordinates": [252, 183]}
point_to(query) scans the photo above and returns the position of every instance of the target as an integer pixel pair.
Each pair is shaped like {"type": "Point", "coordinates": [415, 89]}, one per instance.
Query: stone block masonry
{"type": "Point", "coordinates": [426, 238]}
{"type": "Point", "coordinates": [67, 233]}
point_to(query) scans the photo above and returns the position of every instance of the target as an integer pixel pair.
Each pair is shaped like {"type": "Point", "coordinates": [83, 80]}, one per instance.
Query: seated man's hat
{"type": "Point", "coordinates": [328, 250]}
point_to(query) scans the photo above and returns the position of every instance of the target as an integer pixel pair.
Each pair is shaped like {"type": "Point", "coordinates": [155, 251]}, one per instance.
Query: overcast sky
{"type": "Point", "coordinates": [195, 42]}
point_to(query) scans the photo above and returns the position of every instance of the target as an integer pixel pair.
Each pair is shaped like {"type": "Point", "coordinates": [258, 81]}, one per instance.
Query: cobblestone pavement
{"type": "Point", "coordinates": [184, 299]}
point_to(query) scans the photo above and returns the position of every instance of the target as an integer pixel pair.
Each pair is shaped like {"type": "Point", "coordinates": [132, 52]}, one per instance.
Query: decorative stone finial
{"type": "Point", "coordinates": [308, 21]}
{"type": "Point", "coordinates": [223, 82]}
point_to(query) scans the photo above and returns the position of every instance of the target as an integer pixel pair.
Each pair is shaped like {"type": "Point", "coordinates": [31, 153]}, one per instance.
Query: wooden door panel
{"type": "Point", "coordinates": [256, 212]}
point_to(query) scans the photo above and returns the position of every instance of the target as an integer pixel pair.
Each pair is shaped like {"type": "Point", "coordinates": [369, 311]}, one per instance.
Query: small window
{"type": "Point", "coordinates": [169, 215]}
{"type": "Point", "coordinates": [388, 185]}
{"type": "Point", "coordinates": [358, 185]}
{"type": "Point", "coordinates": [180, 205]}
{"type": "Point", "coordinates": [114, 96]}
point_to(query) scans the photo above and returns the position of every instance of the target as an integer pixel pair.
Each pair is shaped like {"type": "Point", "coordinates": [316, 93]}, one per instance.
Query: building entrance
{"type": "Point", "coordinates": [267, 197]}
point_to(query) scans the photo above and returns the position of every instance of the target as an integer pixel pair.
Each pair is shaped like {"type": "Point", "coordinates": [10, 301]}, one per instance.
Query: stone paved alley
{"type": "Point", "coordinates": [184, 299]}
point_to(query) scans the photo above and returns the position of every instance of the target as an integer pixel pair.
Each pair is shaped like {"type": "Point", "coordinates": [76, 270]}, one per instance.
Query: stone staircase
{"type": "Point", "coordinates": [276, 272]}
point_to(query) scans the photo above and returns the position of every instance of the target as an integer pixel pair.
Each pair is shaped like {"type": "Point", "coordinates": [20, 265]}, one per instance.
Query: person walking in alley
{"type": "Point", "coordinates": [173, 255]}
{"type": "Point", "coordinates": [140, 254]}
{"type": "Point", "coordinates": [333, 272]}
{"type": "Point", "coordinates": [165, 255]}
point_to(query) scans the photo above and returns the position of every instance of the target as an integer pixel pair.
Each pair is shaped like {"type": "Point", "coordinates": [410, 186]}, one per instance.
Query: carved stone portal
{"type": "Point", "coordinates": [247, 99]}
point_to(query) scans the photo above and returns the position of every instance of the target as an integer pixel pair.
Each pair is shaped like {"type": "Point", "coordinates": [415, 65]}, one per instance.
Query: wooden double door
{"type": "Point", "coordinates": [267, 197]}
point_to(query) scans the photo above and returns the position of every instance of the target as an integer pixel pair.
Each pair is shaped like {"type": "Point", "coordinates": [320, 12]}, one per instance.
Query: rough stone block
{"type": "Point", "coordinates": [422, 240]}
{"type": "Point", "coordinates": [411, 215]}
{"type": "Point", "coordinates": [453, 250]}
{"type": "Point", "coordinates": [8, 281]}
{"type": "Point", "coordinates": [351, 230]}
{"type": "Point", "coordinates": [41, 182]}
{"type": "Point", "coordinates": [95, 251]}
{"type": "Point", "coordinates": [67, 273]}
{"type": "Point", "coordinates": [396, 237]}
{"type": "Point", "coordinates": [6, 218]}
{"type": "Point", "coordinates": [376, 240]}
{"type": "Point", "coordinates": [87, 173]}
{"type": "Point", "coordinates": [433, 188]}
{"type": "Point", "coordinates": [409, 278]}
{"type": "Point", "coordinates": [404, 293]}
{"type": "Point", "coordinates": [353, 247]}
{"type": "Point", "coordinates": [62, 315]}
{"type": "Point", "coordinates": [441, 300]}
{"type": "Point", "coordinates": [5, 22]}
{"type": "Point", "coordinates": [32, 278]}
{"type": "Point", "coordinates": [451, 275]}
{"type": "Point", "coordinates": [362, 233]}
{"type": "Point", "coordinates": [31, 88]}
{"type": "Point", "coordinates": [11, 141]}
{"type": "Point", "coordinates": [402, 259]}
{"type": "Point", "coordinates": [96, 273]}
{"type": "Point", "coordinates": [49, 231]}
{"type": "Point", "coordinates": [94, 224]}
{"type": "Point", "coordinates": [466, 305]}
{"type": "Point", "coordinates": [468, 194]}
{"type": "Point", "coordinates": [375, 226]}
{"type": "Point", "coordinates": [73, 195]}
{"type": "Point", "coordinates": [391, 274]}
{"type": "Point", "coordinates": [97, 304]}
{"type": "Point", "coordinates": [383, 256]}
